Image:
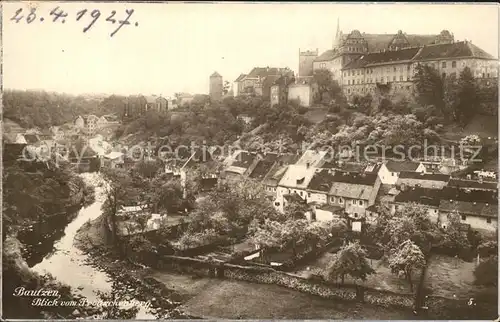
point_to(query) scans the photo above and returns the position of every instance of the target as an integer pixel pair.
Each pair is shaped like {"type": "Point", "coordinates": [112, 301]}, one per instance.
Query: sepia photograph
{"type": "Point", "coordinates": [249, 160]}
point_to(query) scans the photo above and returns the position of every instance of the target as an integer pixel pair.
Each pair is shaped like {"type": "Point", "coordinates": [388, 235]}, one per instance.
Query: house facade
{"type": "Point", "coordinates": [389, 172]}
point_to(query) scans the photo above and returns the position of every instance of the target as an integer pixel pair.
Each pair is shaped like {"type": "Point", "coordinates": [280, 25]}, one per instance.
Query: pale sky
{"type": "Point", "coordinates": [175, 47]}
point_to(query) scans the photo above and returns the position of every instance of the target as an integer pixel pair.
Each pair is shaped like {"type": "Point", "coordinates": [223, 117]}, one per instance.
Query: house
{"type": "Point", "coordinates": [424, 180]}
{"type": "Point", "coordinates": [184, 99]}
{"type": "Point", "coordinates": [479, 215]}
{"type": "Point", "coordinates": [302, 91]}
{"type": "Point", "coordinates": [295, 180]}
{"type": "Point", "coordinates": [354, 192]}
{"type": "Point", "coordinates": [238, 85]}
{"type": "Point", "coordinates": [424, 197]}
{"type": "Point", "coordinates": [279, 90]}
{"type": "Point", "coordinates": [210, 167]}
{"type": "Point", "coordinates": [276, 172]}
{"type": "Point", "coordinates": [319, 186]}
{"type": "Point", "coordinates": [172, 104]}
{"type": "Point", "coordinates": [260, 79]}
{"type": "Point", "coordinates": [240, 164]}
{"type": "Point", "coordinates": [158, 103]}
{"type": "Point", "coordinates": [263, 166]}
{"type": "Point", "coordinates": [80, 122]}
{"type": "Point", "coordinates": [473, 185]}
{"type": "Point", "coordinates": [389, 172]}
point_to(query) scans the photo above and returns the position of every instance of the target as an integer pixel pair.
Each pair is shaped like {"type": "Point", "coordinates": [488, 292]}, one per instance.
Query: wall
{"type": "Point", "coordinates": [476, 222]}
{"type": "Point", "coordinates": [334, 66]}
{"type": "Point", "coordinates": [387, 177]}
{"type": "Point", "coordinates": [265, 275]}
{"type": "Point", "coordinates": [317, 197]}
{"type": "Point", "coordinates": [302, 93]}
{"type": "Point", "coordinates": [306, 61]}
{"type": "Point", "coordinates": [324, 215]}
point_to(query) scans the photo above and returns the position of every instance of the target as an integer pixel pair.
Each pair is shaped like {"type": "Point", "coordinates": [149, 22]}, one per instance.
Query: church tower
{"type": "Point", "coordinates": [337, 42]}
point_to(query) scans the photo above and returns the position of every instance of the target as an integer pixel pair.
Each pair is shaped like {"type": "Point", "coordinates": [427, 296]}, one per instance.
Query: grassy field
{"type": "Point", "coordinates": [242, 300]}
{"type": "Point", "coordinates": [383, 279]}
{"type": "Point", "coordinates": [482, 125]}
{"type": "Point", "coordinates": [451, 277]}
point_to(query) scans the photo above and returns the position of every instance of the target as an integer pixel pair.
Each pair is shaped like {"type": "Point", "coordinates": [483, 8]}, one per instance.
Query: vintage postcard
{"type": "Point", "coordinates": [254, 161]}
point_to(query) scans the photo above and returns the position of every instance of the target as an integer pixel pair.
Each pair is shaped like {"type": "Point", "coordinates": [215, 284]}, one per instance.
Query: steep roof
{"type": "Point", "coordinates": [265, 71]}
{"type": "Point", "coordinates": [454, 50]}
{"type": "Point", "coordinates": [264, 166]}
{"type": "Point", "coordinates": [400, 166]}
{"type": "Point", "coordinates": [279, 168]}
{"type": "Point", "coordinates": [389, 56]}
{"type": "Point", "coordinates": [313, 157]}
{"type": "Point", "coordinates": [351, 190]}
{"type": "Point", "coordinates": [297, 176]}
{"type": "Point", "coordinates": [322, 181]}
{"type": "Point", "coordinates": [327, 55]}
{"type": "Point", "coordinates": [453, 193]}
{"type": "Point", "coordinates": [419, 195]}
{"type": "Point", "coordinates": [215, 74]}
{"type": "Point", "coordinates": [241, 77]}
{"type": "Point", "coordinates": [378, 42]}
{"type": "Point", "coordinates": [470, 208]}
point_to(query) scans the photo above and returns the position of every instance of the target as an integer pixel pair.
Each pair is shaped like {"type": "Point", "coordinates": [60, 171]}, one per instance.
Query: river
{"type": "Point", "coordinates": [69, 265]}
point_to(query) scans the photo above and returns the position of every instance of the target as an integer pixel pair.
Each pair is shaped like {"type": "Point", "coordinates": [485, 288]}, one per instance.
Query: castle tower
{"type": "Point", "coordinates": [216, 87]}
{"type": "Point", "coordinates": [306, 60]}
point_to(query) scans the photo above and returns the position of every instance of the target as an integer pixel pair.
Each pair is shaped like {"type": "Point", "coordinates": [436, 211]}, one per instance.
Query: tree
{"type": "Point", "coordinates": [350, 260]}
{"type": "Point", "coordinates": [455, 238]}
{"type": "Point", "coordinates": [486, 273]}
{"type": "Point", "coordinates": [407, 258]}
{"type": "Point", "coordinates": [328, 88]}
{"type": "Point", "coordinates": [468, 99]}
{"type": "Point", "coordinates": [429, 86]}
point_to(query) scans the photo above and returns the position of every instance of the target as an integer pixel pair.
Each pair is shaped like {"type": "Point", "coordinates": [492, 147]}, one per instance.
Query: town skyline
{"type": "Point", "coordinates": [93, 62]}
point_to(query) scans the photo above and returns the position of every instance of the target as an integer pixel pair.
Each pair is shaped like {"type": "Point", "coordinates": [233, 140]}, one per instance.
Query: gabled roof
{"type": "Point", "coordinates": [261, 72]}
{"type": "Point", "coordinates": [423, 196]}
{"type": "Point", "coordinates": [454, 193]}
{"type": "Point", "coordinates": [327, 55]}
{"type": "Point", "coordinates": [322, 181]}
{"type": "Point", "coordinates": [215, 74]}
{"type": "Point", "coordinates": [297, 176]}
{"type": "Point", "coordinates": [389, 56]}
{"type": "Point", "coordinates": [241, 77]}
{"type": "Point", "coordinates": [350, 190]}
{"type": "Point", "coordinates": [243, 159]}
{"type": "Point", "coordinates": [279, 168]}
{"type": "Point", "coordinates": [454, 50]}
{"type": "Point", "coordinates": [400, 166]}
{"type": "Point", "coordinates": [264, 166]}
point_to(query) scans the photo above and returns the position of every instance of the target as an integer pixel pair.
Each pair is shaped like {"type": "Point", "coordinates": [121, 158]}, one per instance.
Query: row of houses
{"type": "Point", "coordinates": [355, 189]}
{"type": "Point", "coordinates": [90, 124]}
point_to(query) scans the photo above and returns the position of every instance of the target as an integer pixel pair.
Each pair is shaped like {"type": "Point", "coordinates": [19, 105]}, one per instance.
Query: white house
{"type": "Point", "coordinates": [295, 180]}
{"type": "Point", "coordinates": [389, 172]}
{"type": "Point", "coordinates": [479, 215]}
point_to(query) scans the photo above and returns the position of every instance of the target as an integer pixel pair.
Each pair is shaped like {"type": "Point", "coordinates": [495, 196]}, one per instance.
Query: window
{"type": "Point", "coordinates": [276, 203]}
{"type": "Point", "coordinates": [408, 67]}
{"type": "Point", "coordinates": [341, 201]}
{"type": "Point", "coordinates": [301, 193]}
{"type": "Point", "coordinates": [394, 69]}
{"type": "Point", "coordinates": [309, 195]}
{"type": "Point", "coordinates": [408, 78]}
{"type": "Point", "coordinates": [393, 174]}
{"type": "Point", "coordinates": [488, 220]}
{"type": "Point", "coordinates": [464, 217]}
{"type": "Point", "coordinates": [453, 64]}
{"type": "Point", "coordinates": [401, 78]}
{"type": "Point", "coordinates": [332, 199]}
{"type": "Point", "coordinates": [488, 75]}
{"type": "Point", "coordinates": [361, 202]}
{"type": "Point", "coordinates": [355, 215]}
{"type": "Point", "coordinates": [443, 64]}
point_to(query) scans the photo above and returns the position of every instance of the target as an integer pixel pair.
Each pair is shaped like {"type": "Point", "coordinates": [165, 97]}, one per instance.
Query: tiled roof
{"type": "Point", "coordinates": [469, 208]}
{"type": "Point", "coordinates": [472, 184]}
{"type": "Point", "coordinates": [400, 166]}
{"type": "Point", "coordinates": [215, 74]}
{"type": "Point", "coordinates": [241, 77]}
{"type": "Point", "coordinates": [389, 56]}
{"type": "Point", "coordinates": [419, 195]}
{"type": "Point", "coordinates": [424, 176]}
{"type": "Point", "coordinates": [457, 49]}
{"type": "Point", "coordinates": [266, 71]}
{"type": "Point", "coordinates": [264, 166]}
{"type": "Point", "coordinates": [351, 190]}
{"type": "Point", "coordinates": [243, 159]}
{"type": "Point", "coordinates": [327, 55]}
{"type": "Point", "coordinates": [314, 158]}
{"type": "Point", "coordinates": [454, 193]}
{"type": "Point", "coordinates": [279, 168]}
{"type": "Point", "coordinates": [330, 208]}
{"type": "Point", "coordinates": [321, 181]}
{"type": "Point", "coordinates": [378, 42]}
{"type": "Point", "coordinates": [368, 179]}
{"type": "Point", "coordinates": [297, 176]}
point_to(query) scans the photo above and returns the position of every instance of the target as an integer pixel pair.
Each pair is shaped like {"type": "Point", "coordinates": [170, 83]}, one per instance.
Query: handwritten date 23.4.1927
{"type": "Point", "coordinates": [58, 15]}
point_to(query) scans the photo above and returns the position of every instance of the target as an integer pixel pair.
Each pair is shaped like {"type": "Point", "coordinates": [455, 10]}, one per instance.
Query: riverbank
{"type": "Point", "coordinates": [129, 280]}
{"type": "Point", "coordinates": [215, 298]}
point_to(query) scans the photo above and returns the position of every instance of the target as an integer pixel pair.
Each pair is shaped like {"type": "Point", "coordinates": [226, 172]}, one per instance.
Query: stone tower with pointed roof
{"type": "Point", "coordinates": [216, 87]}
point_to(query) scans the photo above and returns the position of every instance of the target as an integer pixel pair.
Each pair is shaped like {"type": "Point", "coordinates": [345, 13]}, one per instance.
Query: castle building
{"type": "Point", "coordinates": [363, 63]}
{"type": "Point", "coordinates": [216, 87]}
{"type": "Point", "coordinates": [306, 62]}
